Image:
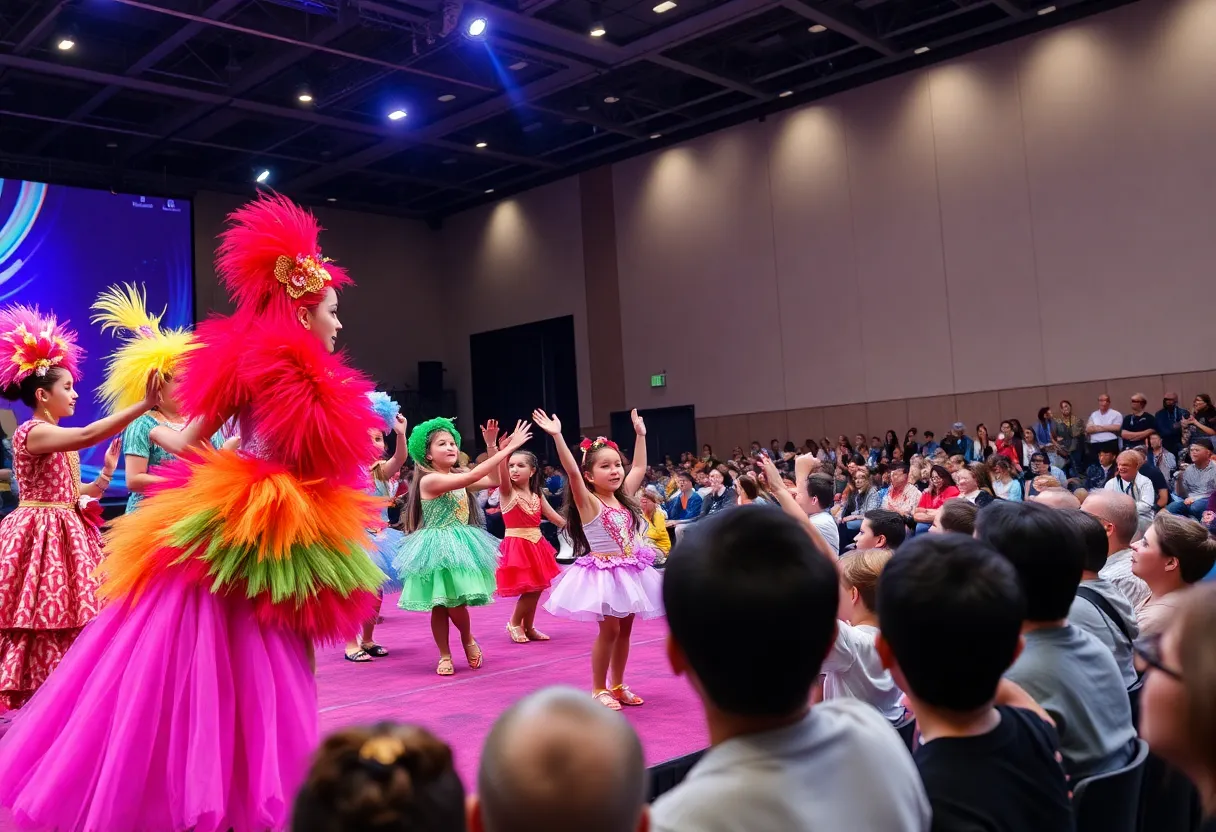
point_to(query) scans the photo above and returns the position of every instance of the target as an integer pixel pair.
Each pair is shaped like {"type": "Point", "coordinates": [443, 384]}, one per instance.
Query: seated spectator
{"type": "Point", "coordinates": [862, 498]}
{"type": "Point", "coordinates": [955, 515]}
{"type": "Point", "coordinates": [1195, 482]}
{"type": "Point", "coordinates": [1004, 485]}
{"type": "Point", "coordinates": [1117, 514]}
{"type": "Point", "coordinates": [1101, 471]}
{"type": "Point", "coordinates": [1128, 480]}
{"type": "Point", "coordinates": [1169, 424]}
{"type": "Point", "coordinates": [956, 463]}
{"type": "Point", "coordinates": [941, 488]}
{"type": "Point", "coordinates": [983, 447]}
{"type": "Point", "coordinates": [1178, 703]}
{"type": "Point", "coordinates": [557, 760]}
{"type": "Point", "coordinates": [687, 503]}
{"type": "Point", "coordinates": [1058, 498]}
{"type": "Point", "coordinates": [852, 667]}
{"type": "Point", "coordinates": [1148, 470]}
{"type": "Point", "coordinates": [1040, 464]}
{"type": "Point", "coordinates": [1138, 425]}
{"type": "Point", "coordinates": [951, 614]}
{"type": "Point", "coordinates": [1100, 608]}
{"type": "Point", "coordinates": [956, 442]}
{"type": "Point", "coordinates": [1065, 669]}
{"type": "Point", "coordinates": [775, 764]}
{"type": "Point", "coordinates": [395, 778]}
{"type": "Point", "coordinates": [1202, 421]}
{"type": "Point", "coordinates": [656, 523]}
{"type": "Point", "coordinates": [816, 499]}
{"type": "Point", "coordinates": [1044, 428]}
{"type": "Point", "coordinates": [721, 496]}
{"type": "Point", "coordinates": [1162, 458]}
{"type": "Point", "coordinates": [1009, 445]}
{"type": "Point", "coordinates": [911, 447]}
{"type": "Point", "coordinates": [1173, 554]}
{"type": "Point", "coordinates": [881, 529]}
{"type": "Point", "coordinates": [969, 487]}
{"type": "Point", "coordinates": [930, 447]}
{"type": "Point", "coordinates": [902, 497]}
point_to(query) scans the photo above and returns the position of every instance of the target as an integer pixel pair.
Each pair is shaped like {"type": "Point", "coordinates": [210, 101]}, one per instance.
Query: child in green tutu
{"type": "Point", "coordinates": [446, 563]}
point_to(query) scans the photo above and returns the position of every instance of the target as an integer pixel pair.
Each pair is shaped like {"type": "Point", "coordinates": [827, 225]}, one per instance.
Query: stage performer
{"type": "Point", "coordinates": [386, 542]}
{"type": "Point", "coordinates": [146, 348]}
{"type": "Point", "coordinates": [189, 703]}
{"type": "Point", "coordinates": [613, 579]}
{"type": "Point", "coordinates": [50, 544]}
{"type": "Point", "coordinates": [527, 563]}
{"type": "Point", "coordinates": [447, 563]}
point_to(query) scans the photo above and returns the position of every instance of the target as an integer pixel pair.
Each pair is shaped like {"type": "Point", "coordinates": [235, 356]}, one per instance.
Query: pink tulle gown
{"type": "Point", "coordinates": [48, 551]}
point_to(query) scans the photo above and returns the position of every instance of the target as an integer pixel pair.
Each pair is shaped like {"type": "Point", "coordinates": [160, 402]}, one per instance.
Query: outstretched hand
{"type": "Point", "coordinates": [152, 389]}
{"type": "Point", "coordinates": [549, 424]}
{"type": "Point", "coordinates": [112, 452]}
{"type": "Point", "coordinates": [399, 425]}
{"type": "Point", "coordinates": [489, 433]}
{"type": "Point", "coordinates": [639, 426]}
{"type": "Point", "coordinates": [523, 432]}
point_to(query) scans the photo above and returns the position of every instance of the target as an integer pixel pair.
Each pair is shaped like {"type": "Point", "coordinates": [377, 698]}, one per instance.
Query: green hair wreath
{"type": "Point", "coordinates": [420, 437]}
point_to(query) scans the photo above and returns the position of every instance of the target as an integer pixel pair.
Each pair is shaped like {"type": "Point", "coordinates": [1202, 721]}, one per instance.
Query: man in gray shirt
{"type": "Point", "coordinates": [775, 763]}
{"type": "Point", "coordinates": [1119, 518]}
{"type": "Point", "coordinates": [1195, 482]}
{"type": "Point", "coordinates": [1065, 669]}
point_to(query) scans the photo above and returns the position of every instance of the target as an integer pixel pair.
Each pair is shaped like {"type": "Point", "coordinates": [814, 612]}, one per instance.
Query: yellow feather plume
{"type": "Point", "coordinates": [147, 346]}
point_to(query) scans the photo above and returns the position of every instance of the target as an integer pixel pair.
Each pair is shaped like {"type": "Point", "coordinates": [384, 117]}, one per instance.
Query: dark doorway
{"type": "Point", "coordinates": [669, 431]}
{"type": "Point", "coordinates": [520, 368]}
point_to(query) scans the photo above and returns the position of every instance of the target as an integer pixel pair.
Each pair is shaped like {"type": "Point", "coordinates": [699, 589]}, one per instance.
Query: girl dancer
{"type": "Point", "coordinates": [527, 562]}
{"type": "Point", "coordinates": [447, 564]}
{"type": "Point", "coordinates": [612, 580]}
{"type": "Point", "coordinates": [189, 703]}
{"type": "Point", "coordinates": [147, 349]}
{"type": "Point", "coordinates": [49, 545]}
{"type": "Point", "coordinates": [386, 541]}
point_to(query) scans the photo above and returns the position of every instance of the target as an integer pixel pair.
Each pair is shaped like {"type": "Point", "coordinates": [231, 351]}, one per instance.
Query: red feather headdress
{"type": "Point", "coordinates": [31, 344]}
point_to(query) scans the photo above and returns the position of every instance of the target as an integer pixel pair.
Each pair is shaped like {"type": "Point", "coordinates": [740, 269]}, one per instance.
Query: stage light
{"type": "Point", "coordinates": [477, 27]}
{"type": "Point", "coordinates": [517, 66]}
{"type": "Point", "coordinates": [612, 99]}
{"type": "Point", "coordinates": [665, 6]}
{"type": "Point", "coordinates": [489, 190]}
{"type": "Point", "coordinates": [656, 135]}
{"type": "Point", "coordinates": [66, 43]}
{"type": "Point", "coordinates": [1045, 10]}
{"type": "Point", "coordinates": [597, 30]}
{"type": "Point", "coordinates": [920, 50]}
{"type": "Point", "coordinates": [785, 94]}
{"type": "Point", "coordinates": [396, 115]}
{"type": "Point", "coordinates": [263, 177]}
{"type": "Point", "coordinates": [332, 199]}
{"type": "Point", "coordinates": [817, 28]}
{"type": "Point", "coordinates": [480, 145]}
{"type": "Point", "coordinates": [305, 97]}
{"type": "Point", "coordinates": [446, 97]}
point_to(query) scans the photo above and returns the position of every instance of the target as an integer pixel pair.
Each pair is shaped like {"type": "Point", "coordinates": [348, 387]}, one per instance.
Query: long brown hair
{"type": "Point", "coordinates": [411, 515]}
{"type": "Point", "coordinates": [574, 521]}
{"type": "Point", "coordinates": [536, 481]}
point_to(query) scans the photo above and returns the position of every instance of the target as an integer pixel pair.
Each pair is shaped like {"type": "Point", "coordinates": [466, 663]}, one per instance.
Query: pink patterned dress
{"type": "Point", "coordinates": [48, 552]}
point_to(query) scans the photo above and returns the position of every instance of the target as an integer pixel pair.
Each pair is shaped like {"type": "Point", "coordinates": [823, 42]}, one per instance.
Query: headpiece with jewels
{"type": "Point", "coordinates": [146, 347]}
{"type": "Point", "coordinates": [385, 408]}
{"type": "Point", "coordinates": [420, 437]}
{"type": "Point", "coordinates": [33, 344]}
{"type": "Point", "coordinates": [269, 251]}
{"type": "Point", "coordinates": [589, 445]}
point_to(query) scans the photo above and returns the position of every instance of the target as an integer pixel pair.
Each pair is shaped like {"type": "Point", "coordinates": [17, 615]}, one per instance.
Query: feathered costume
{"type": "Point", "coordinates": [49, 546]}
{"type": "Point", "coordinates": [146, 347]}
{"type": "Point", "coordinates": [190, 703]}
{"type": "Point", "coordinates": [387, 541]}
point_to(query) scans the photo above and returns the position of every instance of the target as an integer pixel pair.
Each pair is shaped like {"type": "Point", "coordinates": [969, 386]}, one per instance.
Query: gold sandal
{"type": "Point", "coordinates": [621, 693]}
{"type": "Point", "coordinates": [534, 634]}
{"type": "Point", "coordinates": [605, 698]}
{"type": "Point", "coordinates": [474, 661]}
{"type": "Point", "coordinates": [516, 634]}
{"type": "Point", "coordinates": [445, 667]}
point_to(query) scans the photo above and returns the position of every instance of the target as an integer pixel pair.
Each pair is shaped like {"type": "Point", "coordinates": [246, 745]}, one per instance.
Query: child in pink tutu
{"type": "Point", "coordinates": [49, 545]}
{"type": "Point", "coordinates": [612, 580]}
{"type": "Point", "coordinates": [527, 563]}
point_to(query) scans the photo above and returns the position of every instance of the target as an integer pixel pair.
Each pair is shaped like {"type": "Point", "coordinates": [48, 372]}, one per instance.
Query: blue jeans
{"type": "Point", "coordinates": [1195, 509]}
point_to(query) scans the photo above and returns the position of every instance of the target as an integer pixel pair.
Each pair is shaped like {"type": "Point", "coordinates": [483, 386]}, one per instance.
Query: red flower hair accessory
{"type": "Point", "coordinates": [34, 344]}
{"type": "Point", "coordinates": [588, 445]}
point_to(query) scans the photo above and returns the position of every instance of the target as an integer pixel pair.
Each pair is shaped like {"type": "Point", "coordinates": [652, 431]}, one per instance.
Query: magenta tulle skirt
{"type": "Point", "coordinates": [595, 588]}
{"type": "Point", "coordinates": [179, 712]}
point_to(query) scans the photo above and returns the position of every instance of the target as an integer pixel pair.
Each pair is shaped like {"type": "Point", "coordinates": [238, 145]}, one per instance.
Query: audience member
{"type": "Point", "coordinates": [1201, 422]}
{"type": "Point", "coordinates": [1004, 486]}
{"type": "Point", "coordinates": [969, 487]}
{"type": "Point", "coordinates": [1178, 704]}
{"type": "Point", "coordinates": [816, 499]}
{"type": "Point", "coordinates": [1100, 608]}
{"type": "Point", "coordinates": [1128, 480]}
{"type": "Point", "coordinates": [1062, 498]}
{"type": "Point", "coordinates": [951, 613]}
{"type": "Point", "coordinates": [1169, 423]}
{"type": "Point", "coordinates": [852, 667]}
{"type": "Point", "coordinates": [1101, 426]}
{"type": "Point", "coordinates": [881, 529]}
{"type": "Point", "coordinates": [556, 760]}
{"type": "Point", "coordinates": [903, 497]}
{"type": "Point", "coordinates": [1161, 487]}
{"type": "Point", "coordinates": [687, 504]}
{"type": "Point", "coordinates": [1138, 425]}
{"type": "Point", "coordinates": [956, 442]}
{"type": "Point", "coordinates": [775, 764]}
{"type": "Point", "coordinates": [1162, 458]}
{"type": "Point", "coordinates": [1071, 432]}
{"type": "Point", "coordinates": [1173, 554]}
{"type": "Point", "coordinates": [386, 778]}
{"type": "Point", "coordinates": [1067, 671]}
{"type": "Point", "coordinates": [955, 516]}
{"type": "Point", "coordinates": [656, 523]}
{"type": "Point", "coordinates": [1195, 482]}
{"type": "Point", "coordinates": [1101, 472]}
{"type": "Point", "coordinates": [1040, 464]}
{"type": "Point", "coordinates": [941, 488]}
{"type": "Point", "coordinates": [1117, 514]}
{"type": "Point", "coordinates": [983, 447]}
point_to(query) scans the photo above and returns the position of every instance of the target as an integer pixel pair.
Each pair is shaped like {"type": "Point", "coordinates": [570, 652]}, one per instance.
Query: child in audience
{"type": "Point", "coordinates": [852, 667]}
{"type": "Point", "coordinates": [881, 529]}
{"type": "Point", "coordinates": [612, 580]}
{"type": "Point", "coordinates": [776, 764]}
{"type": "Point", "coordinates": [447, 563]}
{"type": "Point", "coordinates": [387, 778]}
{"type": "Point", "coordinates": [955, 515]}
{"type": "Point", "coordinates": [951, 613]}
{"type": "Point", "coordinates": [1067, 671]}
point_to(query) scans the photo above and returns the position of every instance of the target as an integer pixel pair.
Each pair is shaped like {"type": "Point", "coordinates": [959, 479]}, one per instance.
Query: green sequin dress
{"type": "Point", "coordinates": [446, 562]}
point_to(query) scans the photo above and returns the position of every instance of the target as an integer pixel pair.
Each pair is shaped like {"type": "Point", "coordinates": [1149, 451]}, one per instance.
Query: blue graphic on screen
{"type": "Point", "coordinates": [61, 247]}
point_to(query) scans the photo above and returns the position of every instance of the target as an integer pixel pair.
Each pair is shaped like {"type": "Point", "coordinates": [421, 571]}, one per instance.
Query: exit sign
{"type": "Point", "coordinates": [659, 380]}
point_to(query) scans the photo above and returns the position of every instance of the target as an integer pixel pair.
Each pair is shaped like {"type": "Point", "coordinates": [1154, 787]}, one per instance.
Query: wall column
{"type": "Point", "coordinates": [604, 344]}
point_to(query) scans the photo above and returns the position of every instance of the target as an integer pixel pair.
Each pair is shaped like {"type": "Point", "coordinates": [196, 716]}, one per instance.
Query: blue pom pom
{"type": "Point", "coordinates": [385, 408]}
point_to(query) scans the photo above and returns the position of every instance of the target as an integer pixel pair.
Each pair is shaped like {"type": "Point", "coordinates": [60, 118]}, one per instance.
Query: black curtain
{"type": "Point", "coordinates": [669, 431]}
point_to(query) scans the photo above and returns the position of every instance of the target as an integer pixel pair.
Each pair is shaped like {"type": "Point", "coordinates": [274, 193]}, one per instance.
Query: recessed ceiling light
{"type": "Point", "coordinates": [785, 93]}
{"type": "Point", "coordinates": [597, 30]}
{"type": "Point", "coordinates": [304, 98]}
{"type": "Point", "coordinates": [817, 28]}
{"type": "Point", "coordinates": [477, 27]}
{"type": "Point", "coordinates": [489, 190]}
{"type": "Point", "coordinates": [396, 115]}
{"type": "Point", "coordinates": [665, 6]}
{"type": "Point", "coordinates": [480, 145]}
{"type": "Point", "coordinates": [66, 44]}
{"type": "Point", "coordinates": [518, 65]}
{"type": "Point", "coordinates": [656, 135]}
{"type": "Point", "coordinates": [612, 99]}
{"type": "Point", "coordinates": [920, 50]}
{"type": "Point", "coordinates": [262, 177]}
{"type": "Point", "coordinates": [332, 199]}
{"type": "Point", "coordinates": [1046, 10]}
{"type": "Point", "coordinates": [446, 97]}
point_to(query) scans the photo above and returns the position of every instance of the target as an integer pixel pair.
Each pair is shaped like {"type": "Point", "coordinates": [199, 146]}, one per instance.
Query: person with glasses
{"type": "Point", "coordinates": [1174, 553]}
{"type": "Point", "coordinates": [1170, 420]}
{"type": "Point", "coordinates": [1178, 703]}
{"type": "Point", "coordinates": [1138, 425]}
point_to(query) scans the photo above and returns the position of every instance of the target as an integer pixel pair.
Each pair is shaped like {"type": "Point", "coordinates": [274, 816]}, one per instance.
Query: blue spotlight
{"type": "Point", "coordinates": [477, 27]}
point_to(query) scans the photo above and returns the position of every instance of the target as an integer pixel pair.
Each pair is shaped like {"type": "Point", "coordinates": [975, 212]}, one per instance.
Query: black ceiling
{"type": "Point", "coordinates": [174, 96]}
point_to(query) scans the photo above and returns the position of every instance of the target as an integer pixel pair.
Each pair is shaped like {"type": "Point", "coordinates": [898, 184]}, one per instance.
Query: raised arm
{"type": "Point", "coordinates": [503, 471]}
{"type": "Point", "coordinates": [790, 506]}
{"type": "Point", "coordinates": [574, 475]}
{"type": "Point", "coordinates": [47, 439]}
{"type": "Point", "coordinates": [637, 472]}
{"type": "Point", "coordinates": [392, 466]}
{"type": "Point", "coordinates": [551, 514]}
{"type": "Point", "coordinates": [98, 487]}
{"type": "Point", "coordinates": [177, 443]}
{"type": "Point", "coordinates": [434, 484]}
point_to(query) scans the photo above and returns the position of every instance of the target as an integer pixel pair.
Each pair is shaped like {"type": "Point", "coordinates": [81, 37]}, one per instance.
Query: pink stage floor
{"type": "Point", "coordinates": [460, 709]}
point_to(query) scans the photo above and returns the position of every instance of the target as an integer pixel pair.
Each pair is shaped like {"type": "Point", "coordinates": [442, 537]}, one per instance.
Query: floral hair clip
{"type": "Point", "coordinates": [305, 274]}
{"type": "Point", "coordinates": [588, 445]}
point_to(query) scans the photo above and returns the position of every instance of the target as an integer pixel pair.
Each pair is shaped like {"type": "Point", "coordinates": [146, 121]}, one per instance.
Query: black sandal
{"type": "Point", "coordinates": [376, 650]}
{"type": "Point", "coordinates": [359, 656]}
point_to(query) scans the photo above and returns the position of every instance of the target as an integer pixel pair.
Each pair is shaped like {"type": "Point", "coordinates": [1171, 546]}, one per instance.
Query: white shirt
{"type": "Point", "coordinates": [1118, 570]}
{"type": "Point", "coordinates": [1112, 418]}
{"type": "Point", "coordinates": [818, 774]}
{"type": "Point", "coordinates": [852, 668]}
{"type": "Point", "coordinates": [1140, 489]}
{"type": "Point", "coordinates": [825, 524]}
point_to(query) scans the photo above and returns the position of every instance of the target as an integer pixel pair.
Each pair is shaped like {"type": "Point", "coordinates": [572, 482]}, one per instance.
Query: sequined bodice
{"type": "Point", "coordinates": [522, 512]}
{"type": "Point", "coordinates": [447, 510]}
{"type": "Point", "coordinates": [44, 478]}
{"type": "Point", "coordinates": [612, 531]}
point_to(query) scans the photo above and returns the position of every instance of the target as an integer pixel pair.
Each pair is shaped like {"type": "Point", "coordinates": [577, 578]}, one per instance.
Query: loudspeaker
{"type": "Point", "coordinates": [430, 377]}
